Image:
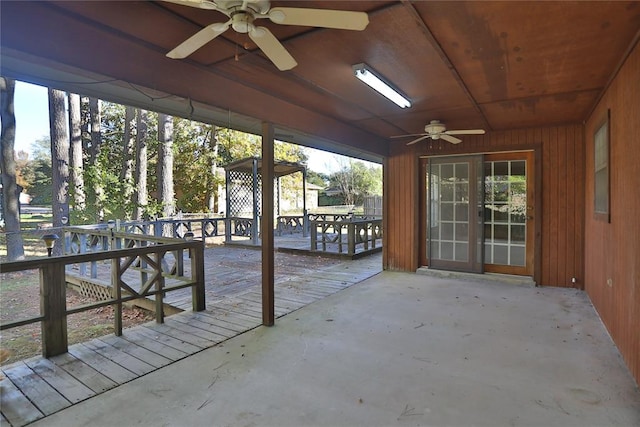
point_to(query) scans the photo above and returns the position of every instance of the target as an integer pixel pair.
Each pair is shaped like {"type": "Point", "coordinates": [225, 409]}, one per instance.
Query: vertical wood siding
{"type": "Point", "coordinates": [612, 250]}
{"type": "Point", "coordinates": [561, 214]}
{"type": "Point", "coordinates": [401, 215]}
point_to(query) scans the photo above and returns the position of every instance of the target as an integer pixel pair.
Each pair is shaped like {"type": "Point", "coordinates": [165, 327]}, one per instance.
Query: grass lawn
{"type": "Point", "coordinates": [33, 228]}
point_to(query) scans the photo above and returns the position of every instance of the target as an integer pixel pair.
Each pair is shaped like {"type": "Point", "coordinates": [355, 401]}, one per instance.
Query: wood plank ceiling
{"type": "Point", "coordinates": [491, 65]}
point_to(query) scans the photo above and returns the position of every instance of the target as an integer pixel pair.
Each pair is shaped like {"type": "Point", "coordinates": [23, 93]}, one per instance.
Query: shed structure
{"type": "Point", "coordinates": [244, 189]}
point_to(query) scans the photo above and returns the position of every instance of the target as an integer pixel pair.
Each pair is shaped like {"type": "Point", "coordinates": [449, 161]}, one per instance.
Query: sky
{"type": "Point", "coordinates": [32, 115]}
{"type": "Point", "coordinates": [32, 123]}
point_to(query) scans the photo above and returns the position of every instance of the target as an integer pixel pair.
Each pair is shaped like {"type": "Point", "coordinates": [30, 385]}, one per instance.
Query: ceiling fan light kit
{"type": "Point", "coordinates": [365, 74]}
{"type": "Point", "coordinates": [243, 13]}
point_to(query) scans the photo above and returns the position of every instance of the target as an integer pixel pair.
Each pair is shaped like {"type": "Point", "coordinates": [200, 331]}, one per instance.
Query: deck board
{"type": "Point", "coordinates": [66, 384]}
{"type": "Point", "coordinates": [123, 359]}
{"type": "Point", "coordinates": [143, 341]}
{"type": "Point", "coordinates": [169, 341]}
{"type": "Point", "coordinates": [110, 369]}
{"type": "Point", "coordinates": [215, 325]}
{"type": "Point", "coordinates": [37, 390]}
{"type": "Point", "coordinates": [83, 373]}
{"type": "Point", "coordinates": [16, 408]}
{"type": "Point", "coordinates": [134, 350]}
{"type": "Point", "coordinates": [197, 328]}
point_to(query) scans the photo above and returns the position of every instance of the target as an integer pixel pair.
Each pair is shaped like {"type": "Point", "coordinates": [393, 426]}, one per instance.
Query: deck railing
{"type": "Point", "coordinates": [140, 267]}
{"type": "Point", "coordinates": [201, 227]}
{"type": "Point", "coordinates": [350, 237]}
{"type": "Point", "coordinates": [289, 224]}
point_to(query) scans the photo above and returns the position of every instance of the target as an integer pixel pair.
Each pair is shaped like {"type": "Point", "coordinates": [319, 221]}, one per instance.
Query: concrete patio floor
{"type": "Point", "coordinates": [395, 349]}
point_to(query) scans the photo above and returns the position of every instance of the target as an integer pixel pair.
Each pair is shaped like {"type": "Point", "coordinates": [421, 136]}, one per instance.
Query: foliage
{"type": "Point", "coordinates": [193, 175]}
{"type": "Point", "coordinates": [355, 180]}
{"type": "Point", "coordinates": [317, 178]}
{"type": "Point", "coordinates": [200, 153]}
{"type": "Point", "coordinates": [37, 172]}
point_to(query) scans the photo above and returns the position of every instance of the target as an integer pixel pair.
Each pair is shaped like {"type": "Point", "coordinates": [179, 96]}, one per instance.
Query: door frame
{"type": "Point", "coordinates": [475, 249]}
{"type": "Point", "coordinates": [536, 149]}
{"type": "Point", "coordinates": [529, 266]}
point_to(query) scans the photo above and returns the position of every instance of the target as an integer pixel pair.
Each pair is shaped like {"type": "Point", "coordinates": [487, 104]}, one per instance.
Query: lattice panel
{"type": "Point", "coordinates": [240, 194]}
{"type": "Point", "coordinates": [95, 291]}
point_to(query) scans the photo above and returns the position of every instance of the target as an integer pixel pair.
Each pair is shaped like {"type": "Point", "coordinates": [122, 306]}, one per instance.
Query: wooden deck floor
{"type": "Point", "coordinates": [37, 387]}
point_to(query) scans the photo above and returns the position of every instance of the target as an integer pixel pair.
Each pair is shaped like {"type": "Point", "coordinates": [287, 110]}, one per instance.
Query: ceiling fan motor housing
{"type": "Point", "coordinates": [242, 22]}
{"type": "Point", "coordinates": [259, 7]}
{"type": "Point", "coordinates": [435, 127]}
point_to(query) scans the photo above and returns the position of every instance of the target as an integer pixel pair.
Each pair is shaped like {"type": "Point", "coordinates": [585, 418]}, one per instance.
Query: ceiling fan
{"type": "Point", "coordinates": [437, 130]}
{"type": "Point", "coordinates": [243, 13]}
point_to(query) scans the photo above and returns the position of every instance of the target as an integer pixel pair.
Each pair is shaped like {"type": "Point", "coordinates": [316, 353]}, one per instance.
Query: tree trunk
{"type": "Point", "coordinates": [126, 173]}
{"type": "Point", "coordinates": [165, 164]}
{"type": "Point", "coordinates": [76, 164]}
{"type": "Point", "coordinates": [96, 141]}
{"type": "Point", "coordinates": [212, 188]}
{"type": "Point", "coordinates": [59, 162]}
{"type": "Point", "coordinates": [10, 196]}
{"type": "Point", "coordinates": [94, 128]}
{"type": "Point", "coordinates": [141, 165]}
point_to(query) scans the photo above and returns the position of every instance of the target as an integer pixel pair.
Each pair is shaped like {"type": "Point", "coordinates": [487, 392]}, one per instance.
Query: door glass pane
{"type": "Point", "coordinates": [449, 222]}
{"type": "Point", "coordinates": [505, 210]}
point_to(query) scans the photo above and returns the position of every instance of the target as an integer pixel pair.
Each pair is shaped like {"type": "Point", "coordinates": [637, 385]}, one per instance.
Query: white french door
{"type": "Point", "coordinates": [480, 213]}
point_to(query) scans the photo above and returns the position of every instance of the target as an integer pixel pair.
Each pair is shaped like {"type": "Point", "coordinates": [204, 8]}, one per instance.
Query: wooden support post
{"type": "Point", "coordinates": [53, 305]}
{"type": "Point", "coordinates": [117, 295]}
{"type": "Point", "coordinates": [159, 287]}
{"type": "Point", "coordinates": [227, 214]}
{"type": "Point", "coordinates": [179, 257]}
{"type": "Point", "coordinates": [305, 217]}
{"type": "Point", "coordinates": [255, 225]}
{"type": "Point", "coordinates": [268, 300]}
{"type": "Point", "coordinates": [197, 272]}
{"type": "Point", "coordinates": [314, 235]}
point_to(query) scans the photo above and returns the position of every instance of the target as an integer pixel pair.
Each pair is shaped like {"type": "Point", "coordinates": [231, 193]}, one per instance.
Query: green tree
{"type": "Point", "coordinates": [37, 172]}
{"type": "Point", "coordinates": [355, 180]}
{"type": "Point", "coordinates": [317, 178]}
{"type": "Point", "coordinates": [196, 159]}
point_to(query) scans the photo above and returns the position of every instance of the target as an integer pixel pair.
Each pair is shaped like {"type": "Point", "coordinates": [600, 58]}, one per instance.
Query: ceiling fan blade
{"type": "Point", "coordinates": [198, 40]}
{"type": "Point", "coordinates": [326, 18]}
{"type": "Point", "coordinates": [408, 135]}
{"type": "Point", "coordinates": [465, 132]}
{"type": "Point", "coordinates": [202, 4]}
{"type": "Point", "coordinates": [451, 139]}
{"type": "Point", "coordinates": [418, 140]}
{"type": "Point", "coordinates": [272, 47]}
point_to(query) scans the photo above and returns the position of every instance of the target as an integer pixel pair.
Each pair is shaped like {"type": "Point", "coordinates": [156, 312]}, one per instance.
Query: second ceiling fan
{"type": "Point", "coordinates": [243, 13]}
{"type": "Point", "coordinates": [436, 130]}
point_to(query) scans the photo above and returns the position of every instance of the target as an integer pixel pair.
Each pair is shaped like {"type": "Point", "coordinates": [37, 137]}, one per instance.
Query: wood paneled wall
{"type": "Point", "coordinates": [561, 154]}
{"type": "Point", "coordinates": [612, 250]}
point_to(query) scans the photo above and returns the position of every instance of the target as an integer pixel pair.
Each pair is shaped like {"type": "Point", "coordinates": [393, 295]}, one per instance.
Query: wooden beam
{"type": "Point", "coordinates": [268, 300]}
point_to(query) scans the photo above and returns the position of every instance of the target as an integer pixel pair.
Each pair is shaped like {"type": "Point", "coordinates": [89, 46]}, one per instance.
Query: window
{"type": "Point", "coordinates": [601, 170]}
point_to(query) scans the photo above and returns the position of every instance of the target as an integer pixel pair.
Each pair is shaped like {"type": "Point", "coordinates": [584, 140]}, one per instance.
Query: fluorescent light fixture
{"type": "Point", "coordinates": [364, 73]}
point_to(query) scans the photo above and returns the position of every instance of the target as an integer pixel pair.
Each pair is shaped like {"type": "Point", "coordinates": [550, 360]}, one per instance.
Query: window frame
{"type": "Point", "coordinates": [602, 169]}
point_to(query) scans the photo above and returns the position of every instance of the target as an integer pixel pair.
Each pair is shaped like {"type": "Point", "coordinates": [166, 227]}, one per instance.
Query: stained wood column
{"type": "Point", "coordinates": [268, 301]}
{"type": "Point", "coordinates": [53, 302]}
